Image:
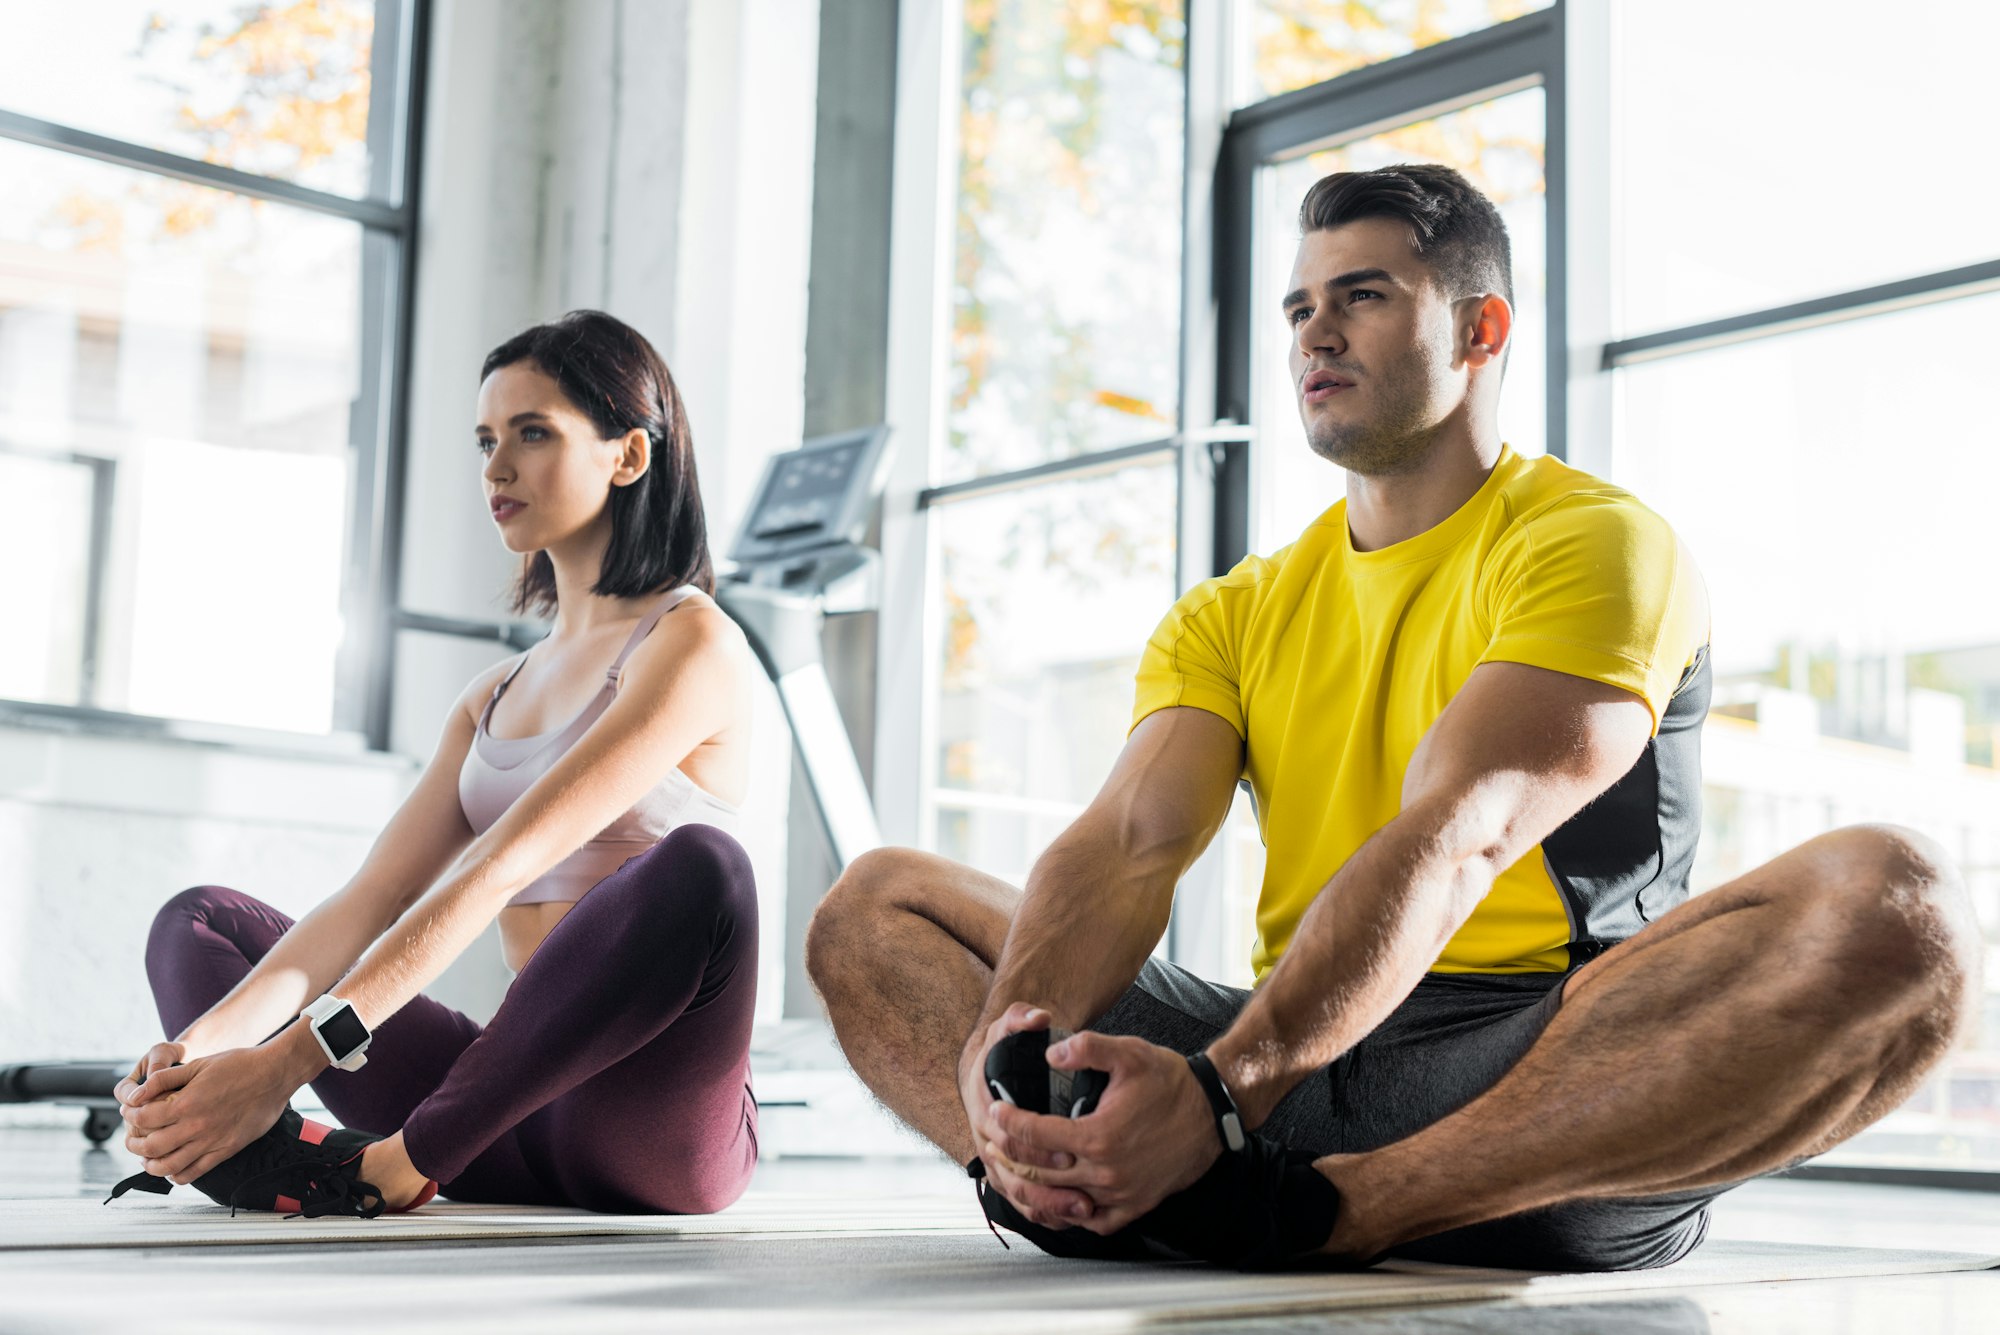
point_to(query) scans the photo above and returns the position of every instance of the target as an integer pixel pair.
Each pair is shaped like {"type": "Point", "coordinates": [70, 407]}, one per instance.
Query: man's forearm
{"type": "Point", "coordinates": [1368, 937]}
{"type": "Point", "coordinates": [1091, 914]}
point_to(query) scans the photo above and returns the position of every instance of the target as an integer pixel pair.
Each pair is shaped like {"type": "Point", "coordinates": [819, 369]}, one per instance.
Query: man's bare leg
{"type": "Point", "coordinates": [902, 950]}
{"type": "Point", "coordinates": [1764, 1021]}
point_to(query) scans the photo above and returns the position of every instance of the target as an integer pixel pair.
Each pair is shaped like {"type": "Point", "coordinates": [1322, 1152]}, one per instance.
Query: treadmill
{"type": "Point", "coordinates": [798, 560]}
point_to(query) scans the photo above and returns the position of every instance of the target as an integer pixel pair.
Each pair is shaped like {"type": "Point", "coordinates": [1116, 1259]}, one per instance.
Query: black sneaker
{"type": "Point", "coordinates": [1072, 1242]}
{"type": "Point", "coordinates": [1264, 1207]}
{"type": "Point", "coordinates": [299, 1167]}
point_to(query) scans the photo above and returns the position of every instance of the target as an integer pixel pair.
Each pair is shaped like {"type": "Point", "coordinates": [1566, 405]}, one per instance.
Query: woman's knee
{"type": "Point", "coordinates": [706, 872]}
{"type": "Point", "coordinates": [198, 904]}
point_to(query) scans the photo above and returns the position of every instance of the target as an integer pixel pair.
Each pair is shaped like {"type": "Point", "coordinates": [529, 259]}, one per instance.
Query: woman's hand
{"type": "Point", "coordinates": [184, 1120]}
{"type": "Point", "coordinates": [158, 1058]}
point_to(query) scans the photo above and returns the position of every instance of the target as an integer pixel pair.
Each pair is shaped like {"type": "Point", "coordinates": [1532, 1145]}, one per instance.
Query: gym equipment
{"type": "Point", "coordinates": [86, 1084]}
{"type": "Point", "coordinates": [798, 560]}
{"type": "Point", "coordinates": [1018, 1072]}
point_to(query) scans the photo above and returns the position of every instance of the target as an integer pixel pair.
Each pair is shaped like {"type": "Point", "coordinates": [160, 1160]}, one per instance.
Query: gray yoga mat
{"type": "Point", "coordinates": [773, 1262]}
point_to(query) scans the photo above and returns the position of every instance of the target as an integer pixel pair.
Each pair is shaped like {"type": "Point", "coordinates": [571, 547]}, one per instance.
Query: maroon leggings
{"type": "Point", "coordinates": [615, 1075]}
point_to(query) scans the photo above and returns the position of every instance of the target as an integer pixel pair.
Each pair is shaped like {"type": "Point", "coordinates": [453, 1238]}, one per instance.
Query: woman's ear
{"type": "Point", "coordinates": [635, 456]}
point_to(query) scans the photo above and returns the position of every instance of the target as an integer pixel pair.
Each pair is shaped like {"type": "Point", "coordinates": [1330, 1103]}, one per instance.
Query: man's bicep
{"type": "Point", "coordinates": [1524, 749]}
{"type": "Point", "coordinates": [1172, 784]}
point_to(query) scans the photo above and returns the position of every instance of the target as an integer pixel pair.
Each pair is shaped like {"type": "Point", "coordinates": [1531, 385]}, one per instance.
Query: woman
{"type": "Point", "coordinates": [583, 794]}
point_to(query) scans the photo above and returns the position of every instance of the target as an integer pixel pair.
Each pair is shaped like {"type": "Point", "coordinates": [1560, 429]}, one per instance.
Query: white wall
{"type": "Point", "coordinates": [649, 157]}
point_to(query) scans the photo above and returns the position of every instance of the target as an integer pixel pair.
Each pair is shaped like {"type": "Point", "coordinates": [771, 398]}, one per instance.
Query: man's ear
{"type": "Point", "coordinates": [1490, 327]}
{"type": "Point", "coordinates": [635, 456]}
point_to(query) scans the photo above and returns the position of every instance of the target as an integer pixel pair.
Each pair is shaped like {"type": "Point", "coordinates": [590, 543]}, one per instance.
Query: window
{"type": "Point", "coordinates": [1724, 207]}
{"type": "Point", "coordinates": [1290, 44]}
{"type": "Point", "coordinates": [277, 90]}
{"type": "Point", "coordinates": [1066, 299]}
{"type": "Point", "coordinates": [1834, 481]}
{"type": "Point", "coordinates": [197, 323]}
{"type": "Point", "coordinates": [1049, 594]}
{"type": "Point", "coordinates": [1054, 507]}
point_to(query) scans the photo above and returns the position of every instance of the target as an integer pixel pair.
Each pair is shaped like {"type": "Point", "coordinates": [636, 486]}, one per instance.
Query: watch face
{"type": "Point", "coordinates": [343, 1031]}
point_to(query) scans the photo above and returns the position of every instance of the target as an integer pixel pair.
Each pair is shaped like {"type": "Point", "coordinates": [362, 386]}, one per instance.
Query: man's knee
{"type": "Point", "coordinates": [1899, 920]}
{"type": "Point", "coordinates": [851, 913]}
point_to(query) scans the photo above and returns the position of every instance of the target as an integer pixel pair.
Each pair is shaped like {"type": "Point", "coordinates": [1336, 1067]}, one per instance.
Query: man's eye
{"type": "Point", "coordinates": [1360, 292]}
{"type": "Point", "coordinates": [1297, 313]}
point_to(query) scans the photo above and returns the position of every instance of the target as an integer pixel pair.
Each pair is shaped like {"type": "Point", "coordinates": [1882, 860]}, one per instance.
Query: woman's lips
{"type": "Point", "coordinates": [506, 510]}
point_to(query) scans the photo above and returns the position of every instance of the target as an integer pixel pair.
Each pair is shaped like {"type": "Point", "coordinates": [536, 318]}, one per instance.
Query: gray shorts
{"type": "Point", "coordinates": [1449, 1041]}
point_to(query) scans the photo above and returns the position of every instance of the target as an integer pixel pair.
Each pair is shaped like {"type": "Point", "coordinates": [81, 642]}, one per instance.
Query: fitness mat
{"type": "Point", "coordinates": [188, 1219]}
{"type": "Point", "coordinates": [943, 1283]}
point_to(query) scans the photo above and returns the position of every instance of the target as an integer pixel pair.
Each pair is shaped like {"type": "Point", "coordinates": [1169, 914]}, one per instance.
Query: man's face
{"type": "Point", "coordinates": [1372, 347]}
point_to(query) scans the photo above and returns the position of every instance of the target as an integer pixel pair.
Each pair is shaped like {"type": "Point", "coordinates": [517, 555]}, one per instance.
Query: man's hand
{"type": "Point", "coordinates": [184, 1120]}
{"type": "Point", "coordinates": [1052, 1207]}
{"type": "Point", "coordinates": [1152, 1134]}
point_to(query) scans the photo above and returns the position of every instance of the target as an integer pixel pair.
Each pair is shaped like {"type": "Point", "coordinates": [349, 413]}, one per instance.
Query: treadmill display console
{"type": "Point", "coordinates": [806, 492]}
{"type": "Point", "coordinates": [813, 496]}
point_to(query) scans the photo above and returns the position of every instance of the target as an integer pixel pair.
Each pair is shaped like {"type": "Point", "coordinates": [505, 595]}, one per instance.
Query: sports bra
{"type": "Point", "coordinates": [498, 770]}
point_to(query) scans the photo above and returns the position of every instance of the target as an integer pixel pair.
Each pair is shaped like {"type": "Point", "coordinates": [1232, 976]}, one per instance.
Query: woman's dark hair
{"type": "Point", "coordinates": [659, 537]}
{"type": "Point", "coordinates": [1458, 230]}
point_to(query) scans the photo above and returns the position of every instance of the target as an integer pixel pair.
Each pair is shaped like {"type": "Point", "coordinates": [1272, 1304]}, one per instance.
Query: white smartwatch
{"type": "Point", "coordinates": [339, 1032]}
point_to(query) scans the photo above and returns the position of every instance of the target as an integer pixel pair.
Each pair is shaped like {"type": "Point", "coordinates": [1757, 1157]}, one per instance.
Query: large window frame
{"type": "Point", "coordinates": [387, 213]}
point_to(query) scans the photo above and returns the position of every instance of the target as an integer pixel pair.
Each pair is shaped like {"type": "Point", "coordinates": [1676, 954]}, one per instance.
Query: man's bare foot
{"type": "Point", "coordinates": [386, 1166]}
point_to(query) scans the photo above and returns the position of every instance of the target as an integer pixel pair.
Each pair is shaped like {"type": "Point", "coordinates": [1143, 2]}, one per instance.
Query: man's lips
{"type": "Point", "coordinates": [1321, 385]}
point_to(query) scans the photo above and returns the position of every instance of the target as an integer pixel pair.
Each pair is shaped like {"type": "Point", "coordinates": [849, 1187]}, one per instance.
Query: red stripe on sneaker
{"type": "Point", "coordinates": [286, 1205]}
{"type": "Point", "coordinates": [311, 1132]}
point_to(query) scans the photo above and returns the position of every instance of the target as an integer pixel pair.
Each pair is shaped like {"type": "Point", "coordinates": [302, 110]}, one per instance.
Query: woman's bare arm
{"type": "Point", "coordinates": [413, 850]}
{"type": "Point", "coordinates": [678, 691]}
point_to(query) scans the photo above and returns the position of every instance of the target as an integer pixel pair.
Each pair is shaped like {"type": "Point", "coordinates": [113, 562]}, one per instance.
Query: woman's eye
{"type": "Point", "coordinates": [483, 445]}
{"type": "Point", "coordinates": [532, 433]}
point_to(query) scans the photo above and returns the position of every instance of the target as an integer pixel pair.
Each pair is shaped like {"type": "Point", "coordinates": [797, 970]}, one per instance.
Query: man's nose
{"type": "Point", "coordinates": [1317, 331]}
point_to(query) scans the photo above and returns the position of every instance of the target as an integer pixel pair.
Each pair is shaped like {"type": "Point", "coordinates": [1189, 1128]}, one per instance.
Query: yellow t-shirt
{"type": "Point", "coordinates": [1332, 664]}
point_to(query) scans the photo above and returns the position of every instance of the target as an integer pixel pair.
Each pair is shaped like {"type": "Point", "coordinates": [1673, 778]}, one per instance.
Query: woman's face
{"type": "Point", "coordinates": [548, 474]}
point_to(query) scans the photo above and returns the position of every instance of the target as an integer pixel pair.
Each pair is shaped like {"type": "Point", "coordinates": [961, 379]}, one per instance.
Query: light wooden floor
{"type": "Point", "coordinates": [626, 1285]}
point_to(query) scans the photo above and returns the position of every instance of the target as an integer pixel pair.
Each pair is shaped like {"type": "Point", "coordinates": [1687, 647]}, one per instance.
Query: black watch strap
{"type": "Point", "coordinates": [1228, 1122]}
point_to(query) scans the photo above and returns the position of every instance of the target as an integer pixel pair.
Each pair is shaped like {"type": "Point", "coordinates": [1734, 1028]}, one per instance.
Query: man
{"type": "Point", "coordinates": [1487, 1029]}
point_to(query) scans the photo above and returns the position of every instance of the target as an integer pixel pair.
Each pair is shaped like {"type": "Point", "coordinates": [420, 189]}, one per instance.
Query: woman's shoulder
{"type": "Point", "coordinates": [696, 626]}
{"type": "Point", "coordinates": [471, 702]}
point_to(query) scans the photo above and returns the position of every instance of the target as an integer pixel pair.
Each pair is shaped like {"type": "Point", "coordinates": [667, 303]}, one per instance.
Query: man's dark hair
{"type": "Point", "coordinates": [659, 537]}
{"type": "Point", "coordinates": [1458, 230]}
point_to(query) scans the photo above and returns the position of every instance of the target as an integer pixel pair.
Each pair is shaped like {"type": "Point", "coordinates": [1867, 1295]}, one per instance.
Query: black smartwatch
{"type": "Point", "coordinates": [1228, 1122]}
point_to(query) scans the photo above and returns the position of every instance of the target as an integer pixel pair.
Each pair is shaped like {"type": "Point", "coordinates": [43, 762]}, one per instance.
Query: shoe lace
{"type": "Point", "coordinates": [159, 1186]}
{"type": "Point", "coordinates": [321, 1188]}
{"type": "Point", "coordinates": [976, 1170]}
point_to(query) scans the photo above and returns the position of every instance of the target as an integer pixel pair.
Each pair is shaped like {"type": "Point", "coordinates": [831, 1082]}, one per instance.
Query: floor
{"type": "Point", "coordinates": [457, 1284]}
